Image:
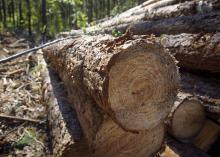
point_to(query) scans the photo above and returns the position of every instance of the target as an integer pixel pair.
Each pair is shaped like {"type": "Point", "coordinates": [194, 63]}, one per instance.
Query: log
{"type": "Point", "coordinates": [206, 89]}
{"type": "Point", "coordinates": [131, 80]}
{"type": "Point", "coordinates": [195, 52]}
{"type": "Point", "coordinates": [208, 135]}
{"type": "Point", "coordinates": [185, 24]}
{"type": "Point", "coordinates": [186, 118]}
{"type": "Point", "coordinates": [155, 10]}
{"type": "Point", "coordinates": [176, 149]}
{"type": "Point", "coordinates": [149, 11]}
{"type": "Point", "coordinates": [65, 134]}
{"type": "Point", "coordinates": [104, 136]}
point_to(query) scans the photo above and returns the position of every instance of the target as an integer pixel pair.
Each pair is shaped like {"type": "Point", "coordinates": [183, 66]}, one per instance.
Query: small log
{"type": "Point", "coordinates": [205, 89]}
{"type": "Point", "coordinates": [176, 149]}
{"type": "Point", "coordinates": [186, 118]}
{"type": "Point", "coordinates": [131, 80]}
{"type": "Point", "coordinates": [208, 135]}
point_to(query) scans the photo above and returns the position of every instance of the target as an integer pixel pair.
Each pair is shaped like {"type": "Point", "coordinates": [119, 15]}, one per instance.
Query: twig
{"type": "Point", "coordinates": [4, 60]}
{"type": "Point", "coordinates": [20, 119]}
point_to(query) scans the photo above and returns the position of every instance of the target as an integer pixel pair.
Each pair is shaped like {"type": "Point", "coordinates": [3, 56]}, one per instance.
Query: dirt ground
{"type": "Point", "coordinates": [23, 130]}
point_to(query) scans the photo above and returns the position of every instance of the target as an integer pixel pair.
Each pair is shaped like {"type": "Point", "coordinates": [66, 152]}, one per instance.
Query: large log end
{"type": "Point", "coordinates": [143, 83]}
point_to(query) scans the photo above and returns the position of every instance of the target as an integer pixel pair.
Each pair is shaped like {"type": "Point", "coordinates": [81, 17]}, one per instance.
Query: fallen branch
{"type": "Point", "coordinates": [21, 119]}
{"type": "Point", "coordinates": [4, 60]}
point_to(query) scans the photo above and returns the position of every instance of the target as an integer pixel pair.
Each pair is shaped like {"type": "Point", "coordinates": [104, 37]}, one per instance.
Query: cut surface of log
{"type": "Point", "coordinates": [205, 89]}
{"type": "Point", "coordinates": [130, 80]}
{"type": "Point", "coordinates": [208, 135]}
{"type": "Point", "coordinates": [176, 149]}
{"type": "Point", "coordinates": [187, 118]}
{"type": "Point", "coordinates": [104, 136]}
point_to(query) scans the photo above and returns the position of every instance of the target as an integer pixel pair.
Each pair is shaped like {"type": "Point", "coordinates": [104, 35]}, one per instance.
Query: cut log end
{"type": "Point", "coordinates": [144, 144]}
{"type": "Point", "coordinates": [188, 119]}
{"type": "Point", "coordinates": [143, 83]}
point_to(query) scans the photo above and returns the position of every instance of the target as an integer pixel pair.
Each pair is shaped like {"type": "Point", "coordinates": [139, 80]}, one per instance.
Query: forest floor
{"type": "Point", "coordinates": [23, 114]}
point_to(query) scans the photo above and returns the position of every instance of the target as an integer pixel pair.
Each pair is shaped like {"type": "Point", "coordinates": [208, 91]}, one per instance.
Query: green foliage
{"type": "Point", "coordinates": [27, 138]}
{"type": "Point", "coordinates": [116, 33]}
{"type": "Point", "coordinates": [62, 15]}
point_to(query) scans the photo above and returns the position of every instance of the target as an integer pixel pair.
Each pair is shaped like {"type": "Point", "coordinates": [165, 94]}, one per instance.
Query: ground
{"type": "Point", "coordinates": [21, 97]}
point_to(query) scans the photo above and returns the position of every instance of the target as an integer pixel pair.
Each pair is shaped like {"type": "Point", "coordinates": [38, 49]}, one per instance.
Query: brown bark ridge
{"type": "Point", "coordinates": [65, 134]}
{"type": "Point", "coordinates": [176, 149]}
{"type": "Point", "coordinates": [186, 118]}
{"type": "Point", "coordinates": [131, 80]}
{"type": "Point", "coordinates": [195, 51]}
{"type": "Point", "coordinates": [207, 136]}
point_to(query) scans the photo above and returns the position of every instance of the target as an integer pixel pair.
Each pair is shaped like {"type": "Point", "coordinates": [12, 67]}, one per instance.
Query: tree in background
{"type": "Point", "coordinates": [46, 18]}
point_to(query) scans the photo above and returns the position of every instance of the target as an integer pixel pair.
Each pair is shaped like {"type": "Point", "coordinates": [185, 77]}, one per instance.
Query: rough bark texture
{"type": "Point", "coordinates": [65, 132]}
{"type": "Point", "coordinates": [154, 11]}
{"type": "Point", "coordinates": [175, 149]}
{"type": "Point", "coordinates": [185, 24]}
{"type": "Point", "coordinates": [149, 11]}
{"type": "Point", "coordinates": [186, 118]}
{"type": "Point", "coordinates": [195, 51]}
{"type": "Point", "coordinates": [208, 135]}
{"type": "Point", "coordinates": [130, 80]}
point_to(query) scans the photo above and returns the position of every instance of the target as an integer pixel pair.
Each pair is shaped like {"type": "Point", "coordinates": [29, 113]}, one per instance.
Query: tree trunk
{"type": "Point", "coordinates": [176, 149]}
{"type": "Point", "coordinates": [4, 13]}
{"type": "Point", "coordinates": [122, 77]}
{"type": "Point", "coordinates": [21, 20]}
{"type": "Point", "coordinates": [108, 8]}
{"type": "Point", "coordinates": [44, 19]}
{"type": "Point", "coordinates": [195, 51]}
{"type": "Point", "coordinates": [29, 17]}
{"type": "Point", "coordinates": [186, 118]}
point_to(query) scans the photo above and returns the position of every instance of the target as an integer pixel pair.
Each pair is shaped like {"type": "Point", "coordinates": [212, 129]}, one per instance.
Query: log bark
{"type": "Point", "coordinates": [122, 77]}
{"type": "Point", "coordinates": [185, 24]}
{"type": "Point", "coordinates": [155, 10]}
{"type": "Point", "coordinates": [149, 11]}
{"type": "Point", "coordinates": [186, 118]}
{"type": "Point", "coordinates": [176, 149]}
{"type": "Point", "coordinates": [195, 51]}
{"type": "Point", "coordinates": [208, 135]}
{"type": "Point", "coordinates": [65, 134]}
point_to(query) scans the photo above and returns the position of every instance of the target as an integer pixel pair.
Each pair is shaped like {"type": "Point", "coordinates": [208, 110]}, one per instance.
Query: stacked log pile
{"type": "Point", "coordinates": [125, 90]}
